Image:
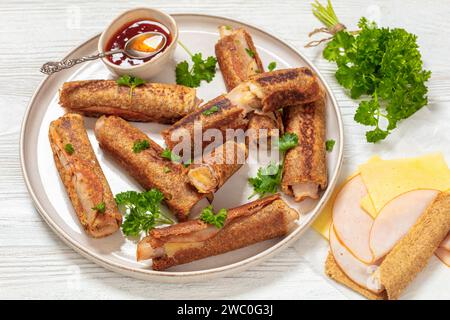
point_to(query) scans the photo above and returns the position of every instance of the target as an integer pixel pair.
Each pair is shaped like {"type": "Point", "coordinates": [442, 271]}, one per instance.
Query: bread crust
{"type": "Point", "coordinates": [158, 102]}
{"type": "Point", "coordinates": [117, 137]}
{"type": "Point", "coordinates": [257, 221]}
{"type": "Point", "coordinates": [83, 164]}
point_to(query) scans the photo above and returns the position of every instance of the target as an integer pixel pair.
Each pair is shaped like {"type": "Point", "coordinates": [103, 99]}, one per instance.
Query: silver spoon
{"type": "Point", "coordinates": [52, 67]}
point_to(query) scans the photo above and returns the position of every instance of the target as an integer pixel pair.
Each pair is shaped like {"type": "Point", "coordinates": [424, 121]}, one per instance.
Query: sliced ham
{"type": "Point", "coordinates": [363, 274]}
{"type": "Point", "coordinates": [352, 224]}
{"type": "Point", "coordinates": [397, 218]}
{"type": "Point", "coordinates": [444, 255]}
{"type": "Point", "coordinates": [446, 243]}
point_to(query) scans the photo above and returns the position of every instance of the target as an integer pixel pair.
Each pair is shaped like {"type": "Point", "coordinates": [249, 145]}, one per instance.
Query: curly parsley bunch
{"type": "Point", "coordinates": [382, 63]}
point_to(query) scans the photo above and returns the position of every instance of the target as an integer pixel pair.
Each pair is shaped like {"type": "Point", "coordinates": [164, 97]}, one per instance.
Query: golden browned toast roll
{"type": "Point", "coordinates": [262, 127]}
{"type": "Point", "coordinates": [217, 166]}
{"type": "Point", "coordinates": [256, 221]}
{"type": "Point", "coordinates": [117, 137]}
{"type": "Point", "coordinates": [412, 253]}
{"type": "Point", "coordinates": [82, 176]}
{"type": "Point", "coordinates": [237, 56]}
{"type": "Point", "coordinates": [239, 60]}
{"type": "Point", "coordinates": [305, 169]}
{"type": "Point", "coordinates": [158, 102]}
{"type": "Point", "coordinates": [227, 116]}
{"type": "Point", "coordinates": [283, 88]}
{"type": "Point", "coordinates": [265, 92]}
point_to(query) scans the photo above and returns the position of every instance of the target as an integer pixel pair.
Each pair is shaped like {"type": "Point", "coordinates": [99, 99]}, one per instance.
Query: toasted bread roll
{"type": "Point", "coordinates": [238, 61]}
{"type": "Point", "coordinates": [305, 169]}
{"type": "Point", "coordinates": [237, 56]}
{"type": "Point", "coordinates": [264, 127]}
{"type": "Point", "coordinates": [271, 91]}
{"type": "Point", "coordinates": [82, 176]}
{"type": "Point", "coordinates": [158, 102]}
{"type": "Point", "coordinates": [117, 137]}
{"type": "Point", "coordinates": [256, 221]}
{"type": "Point", "coordinates": [217, 167]}
{"type": "Point", "coordinates": [265, 92]}
{"type": "Point", "coordinates": [412, 253]}
{"type": "Point", "coordinates": [227, 116]}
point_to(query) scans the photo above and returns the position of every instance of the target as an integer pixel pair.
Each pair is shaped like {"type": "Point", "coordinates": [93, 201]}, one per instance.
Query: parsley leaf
{"type": "Point", "coordinates": [384, 64]}
{"type": "Point", "coordinates": [167, 154]}
{"type": "Point", "coordinates": [250, 52]}
{"type": "Point", "coordinates": [329, 145]}
{"type": "Point", "coordinates": [142, 211]}
{"type": "Point", "coordinates": [211, 110]}
{"type": "Point", "coordinates": [166, 170]}
{"type": "Point", "coordinates": [130, 81]}
{"type": "Point", "coordinates": [287, 141]}
{"type": "Point", "coordinates": [272, 66]}
{"type": "Point", "coordinates": [202, 69]}
{"type": "Point", "coordinates": [100, 207]}
{"type": "Point", "coordinates": [217, 220]}
{"type": "Point", "coordinates": [69, 148]}
{"type": "Point", "coordinates": [267, 180]}
{"type": "Point", "coordinates": [140, 145]}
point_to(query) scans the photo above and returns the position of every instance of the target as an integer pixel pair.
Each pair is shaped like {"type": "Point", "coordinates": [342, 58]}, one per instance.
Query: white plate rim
{"type": "Point", "coordinates": [187, 276]}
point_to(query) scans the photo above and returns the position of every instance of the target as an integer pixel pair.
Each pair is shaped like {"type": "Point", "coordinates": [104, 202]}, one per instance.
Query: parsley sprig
{"type": "Point", "coordinates": [217, 220]}
{"type": "Point", "coordinates": [142, 211]}
{"type": "Point", "coordinates": [382, 63]}
{"type": "Point", "coordinates": [287, 141]}
{"type": "Point", "coordinates": [268, 178]}
{"type": "Point", "coordinates": [202, 69]}
{"type": "Point", "coordinates": [130, 81]}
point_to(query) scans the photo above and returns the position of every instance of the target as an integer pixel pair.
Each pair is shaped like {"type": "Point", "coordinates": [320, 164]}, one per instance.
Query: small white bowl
{"type": "Point", "coordinates": [152, 67]}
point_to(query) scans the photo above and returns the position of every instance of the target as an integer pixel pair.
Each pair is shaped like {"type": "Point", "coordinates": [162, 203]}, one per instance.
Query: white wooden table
{"type": "Point", "coordinates": [35, 263]}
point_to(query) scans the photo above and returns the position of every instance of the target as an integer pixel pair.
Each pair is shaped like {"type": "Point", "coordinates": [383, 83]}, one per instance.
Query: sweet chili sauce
{"type": "Point", "coordinates": [127, 32]}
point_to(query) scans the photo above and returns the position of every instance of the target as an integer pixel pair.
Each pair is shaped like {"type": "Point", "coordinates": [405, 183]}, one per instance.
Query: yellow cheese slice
{"type": "Point", "coordinates": [367, 205]}
{"type": "Point", "coordinates": [323, 221]}
{"type": "Point", "coordinates": [388, 179]}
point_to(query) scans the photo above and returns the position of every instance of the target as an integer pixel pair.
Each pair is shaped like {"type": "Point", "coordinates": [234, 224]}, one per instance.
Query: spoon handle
{"type": "Point", "coordinates": [53, 66]}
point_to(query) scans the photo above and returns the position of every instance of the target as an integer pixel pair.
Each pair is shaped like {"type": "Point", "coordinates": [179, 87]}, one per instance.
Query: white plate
{"type": "Point", "coordinates": [198, 32]}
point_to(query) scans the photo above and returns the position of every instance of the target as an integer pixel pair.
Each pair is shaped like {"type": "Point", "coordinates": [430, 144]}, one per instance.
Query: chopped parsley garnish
{"type": "Point", "coordinates": [272, 66]}
{"type": "Point", "coordinates": [100, 207]}
{"type": "Point", "coordinates": [140, 145]}
{"type": "Point", "coordinates": [69, 148]}
{"type": "Point", "coordinates": [267, 180]}
{"type": "Point", "coordinates": [250, 52]}
{"type": "Point", "coordinates": [166, 170]}
{"type": "Point", "coordinates": [142, 211]}
{"type": "Point", "coordinates": [217, 220]}
{"type": "Point", "coordinates": [167, 154]}
{"type": "Point", "coordinates": [287, 141]}
{"type": "Point", "coordinates": [211, 110]}
{"type": "Point", "coordinates": [130, 81]}
{"type": "Point", "coordinates": [202, 69]}
{"type": "Point", "coordinates": [329, 145]}
{"type": "Point", "coordinates": [187, 163]}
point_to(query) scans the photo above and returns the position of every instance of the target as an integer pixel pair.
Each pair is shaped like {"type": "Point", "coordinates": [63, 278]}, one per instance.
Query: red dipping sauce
{"type": "Point", "coordinates": [127, 32]}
